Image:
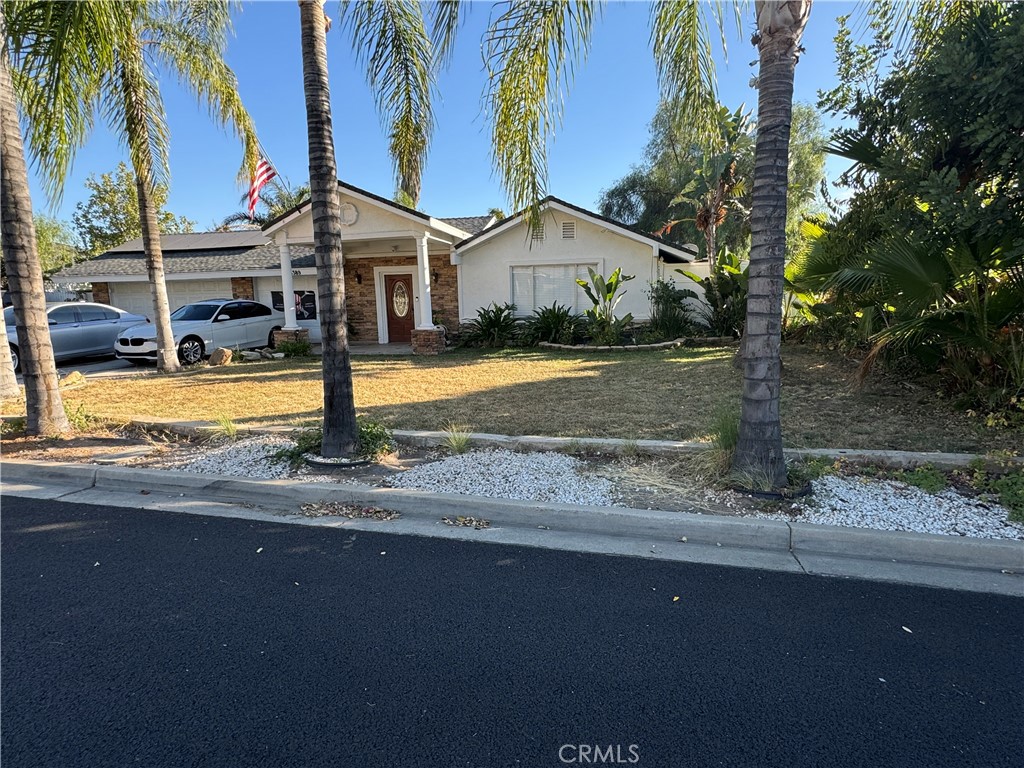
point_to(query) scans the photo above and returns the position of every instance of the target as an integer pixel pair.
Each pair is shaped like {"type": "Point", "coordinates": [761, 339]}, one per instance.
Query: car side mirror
{"type": "Point", "coordinates": [222, 318]}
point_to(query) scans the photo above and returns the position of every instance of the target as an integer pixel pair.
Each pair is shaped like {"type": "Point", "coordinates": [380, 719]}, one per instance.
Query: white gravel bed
{"type": "Point", "coordinates": [501, 474]}
{"type": "Point", "coordinates": [886, 505]}
{"type": "Point", "coordinates": [251, 457]}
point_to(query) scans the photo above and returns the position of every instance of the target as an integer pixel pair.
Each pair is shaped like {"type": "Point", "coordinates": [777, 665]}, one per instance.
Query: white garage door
{"type": "Point", "coordinates": [136, 297]}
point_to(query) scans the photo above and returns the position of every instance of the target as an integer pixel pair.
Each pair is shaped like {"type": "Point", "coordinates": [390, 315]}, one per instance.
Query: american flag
{"type": "Point", "coordinates": [264, 173]}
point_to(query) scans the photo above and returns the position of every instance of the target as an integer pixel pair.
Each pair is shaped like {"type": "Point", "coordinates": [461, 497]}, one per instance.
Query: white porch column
{"type": "Point", "coordinates": [287, 287]}
{"type": "Point", "coordinates": [426, 317]}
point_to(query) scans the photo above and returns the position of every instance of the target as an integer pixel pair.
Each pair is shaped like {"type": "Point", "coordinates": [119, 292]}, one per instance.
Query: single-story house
{"type": "Point", "coordinates": [405, 271]}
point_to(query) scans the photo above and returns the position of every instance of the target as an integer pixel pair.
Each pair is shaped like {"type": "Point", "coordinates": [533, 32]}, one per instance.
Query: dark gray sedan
{"type": "Point", "coordinates": [78, 329]}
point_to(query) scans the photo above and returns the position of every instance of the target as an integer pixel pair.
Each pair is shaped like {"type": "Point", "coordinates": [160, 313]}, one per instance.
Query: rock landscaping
{"type": "Point", "coordinates": [838, 500]}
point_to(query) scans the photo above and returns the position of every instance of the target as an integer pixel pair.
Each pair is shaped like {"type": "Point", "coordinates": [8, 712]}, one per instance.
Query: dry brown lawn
{"type": "Point", "coordinates": [663, 394]}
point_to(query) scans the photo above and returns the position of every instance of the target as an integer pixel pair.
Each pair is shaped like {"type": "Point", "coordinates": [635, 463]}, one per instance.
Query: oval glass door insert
{"type": "Point", "coordinates": [400, 300]}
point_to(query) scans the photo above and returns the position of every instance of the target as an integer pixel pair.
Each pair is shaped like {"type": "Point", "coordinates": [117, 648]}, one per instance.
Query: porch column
{"type": "Point", "coordinates": [426, 317]}
{"type": "Point", "coordinates": [287, 287]}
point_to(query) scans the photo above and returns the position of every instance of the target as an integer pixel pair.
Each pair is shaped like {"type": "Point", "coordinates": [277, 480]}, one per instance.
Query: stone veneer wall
{"type": "Point", "coordinates": [101, 293]}
{"type": "Point", "coordinates": [361, 297]}
{"type": "Point", "coordinates": [242, 288]}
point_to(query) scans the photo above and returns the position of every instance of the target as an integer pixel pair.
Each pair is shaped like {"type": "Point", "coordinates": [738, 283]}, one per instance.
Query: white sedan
{"type": "Point", "coordinates": [201, 328]}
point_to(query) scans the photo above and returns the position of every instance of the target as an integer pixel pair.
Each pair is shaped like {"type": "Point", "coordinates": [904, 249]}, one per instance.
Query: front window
{"type": "Point", "coordinates": [195, 312]}
{"type": "Point", "coordinates": [542, 285]}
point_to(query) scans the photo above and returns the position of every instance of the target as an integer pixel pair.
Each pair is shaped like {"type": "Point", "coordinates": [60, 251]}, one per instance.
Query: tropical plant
{"type": "Point", "coordinates": [44, 406]}
{"type": "Point", "coordinates": [716, 185]}
{"type": "Point", "coordinates": [556, 324]}
{"type": "Point", "coordinates": [276, 197]}
{"type": "Point", "coordinates": [374, 442]}
{"type": "Point", "coordinates": [128, 43]}
{"type": "Point", "coordinates": [723, 312]}
{"type": "Point", "coordinates": [605, 328]}
{"type": "Point", "coordinates": [671, 313]}
{"type": "Point", "coordinates": [494, 326]}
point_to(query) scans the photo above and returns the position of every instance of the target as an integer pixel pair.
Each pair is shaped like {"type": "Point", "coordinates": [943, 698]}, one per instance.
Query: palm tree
{"type": "Point", "coordinates": [9, 387]}
{"type": "Point", "coordinates": [135, 40]}
{"type": "Point", "coordinates": [43, 403]}
{"type": "Point", "coordinates": [523, 101]}
{"type": "Point", "coordinates": [340, 431]}
{"type": "Point", "coordinates": [277, 197]}
{"type": "Point", "coordinates": [759, 457]}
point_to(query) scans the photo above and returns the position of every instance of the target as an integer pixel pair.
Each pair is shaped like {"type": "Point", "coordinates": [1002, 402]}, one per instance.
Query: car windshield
{"type": "Point", "coordinates": [195, 312]}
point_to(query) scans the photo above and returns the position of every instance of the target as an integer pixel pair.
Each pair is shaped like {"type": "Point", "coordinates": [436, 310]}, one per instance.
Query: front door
{"type": "Point", "coordinates": [398, 298]}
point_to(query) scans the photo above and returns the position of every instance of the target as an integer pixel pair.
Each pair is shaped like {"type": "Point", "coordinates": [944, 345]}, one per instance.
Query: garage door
{"type": "Point", "coordinates": [136, 297]}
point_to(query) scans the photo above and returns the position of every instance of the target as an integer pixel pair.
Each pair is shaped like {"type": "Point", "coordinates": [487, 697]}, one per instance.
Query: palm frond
{"type": "Point", "coordinates": [59, 52]}
{"type": "Point", "coordinates": [444, 24]}
{"type": "Point", "coordinates": [391, 41]}
{"type": "Point", "coordinates": [680, 37]}
{"type": "Point", "coordinates": [530, 51]}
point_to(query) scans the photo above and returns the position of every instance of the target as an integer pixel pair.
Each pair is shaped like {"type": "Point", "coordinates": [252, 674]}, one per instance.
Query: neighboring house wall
{"type": "Point", "coordinates": [136, 296]}
{"type": "Point", "coordinates": [488, 269]}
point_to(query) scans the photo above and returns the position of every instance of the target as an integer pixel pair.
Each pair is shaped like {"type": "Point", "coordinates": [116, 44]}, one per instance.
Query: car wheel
{"type": "Point", "coordinates": [270, 339]}
{"type": "Point", "coordinates": [190, 351]}
{"type": "Point", "coordinates": [15, 360]}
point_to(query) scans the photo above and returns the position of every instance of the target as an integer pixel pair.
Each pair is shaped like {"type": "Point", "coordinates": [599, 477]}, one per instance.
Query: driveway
{"type": "Point", "coordinates": [95, 367]}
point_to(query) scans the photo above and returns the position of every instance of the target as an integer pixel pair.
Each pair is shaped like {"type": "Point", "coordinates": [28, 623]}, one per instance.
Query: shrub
{"type": "Point", "coordinates": [724, 312]}
{"type": "Point", "coordinates": [671, 316]}
{"type": "Point", "coordinates": [227, 428]}
{"type": "Point", "coordinates": [295, 348]}
{"type": "Point", "coordinates": [555, 324]}
{"type": "Point", "coordinates": [375, 441]}
{"type": "Point", "coordinates": [494, 327]}
{"type": "Point", "coordinates": [456, 437]}
{"type": "Point", "coordinates": [926, 477]}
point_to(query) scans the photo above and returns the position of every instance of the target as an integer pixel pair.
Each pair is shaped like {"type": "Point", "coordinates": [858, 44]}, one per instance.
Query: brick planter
{"type": "Point", "coordinates": [302, 334]}
{"type": "Point", "coordinates": [427, 342]}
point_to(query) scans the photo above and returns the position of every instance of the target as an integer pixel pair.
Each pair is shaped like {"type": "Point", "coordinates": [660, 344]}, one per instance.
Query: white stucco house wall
{"type": "Point", "coordinates": [405, 271]}
{"type": "Point", "coordinates": [532, 268]}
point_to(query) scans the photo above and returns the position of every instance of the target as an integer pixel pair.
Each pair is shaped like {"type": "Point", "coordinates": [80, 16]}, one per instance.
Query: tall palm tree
{"type": "Point", "coordinates": [9, 387]}
{"type": "Point", "coordinates": [340, 431]}
{"type": "Point", "coordinates": [759, 457]}
{"type": "Point", "coordinates": [523, 101]}
{"type": "Point", "coordinates": [43, 402]}
{"type": "Point", "coordinates": [187, 38]}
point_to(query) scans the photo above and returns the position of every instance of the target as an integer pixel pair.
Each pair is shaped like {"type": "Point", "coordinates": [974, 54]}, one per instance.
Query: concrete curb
{"type": "Point", "coordinates": [610, 445]}
{"type": "Point", "coordinates": [797, 539]}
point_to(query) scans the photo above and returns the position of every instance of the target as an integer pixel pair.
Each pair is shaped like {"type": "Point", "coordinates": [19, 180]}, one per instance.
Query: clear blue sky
{"type": "Point", "coordinates": [604, 131]}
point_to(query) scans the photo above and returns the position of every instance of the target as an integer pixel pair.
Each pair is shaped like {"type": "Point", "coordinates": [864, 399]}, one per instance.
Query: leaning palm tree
{"type": "Point", "coordinates": [185, 37]}
{"type": "Point", "coordinates": [340, 431]}
{"type": "Point", "coordinates": [43, 403]}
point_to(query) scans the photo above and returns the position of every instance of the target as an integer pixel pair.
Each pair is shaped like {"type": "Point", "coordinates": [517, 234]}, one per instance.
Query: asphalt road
{"type": "Point", "coordinates": [159, 639]}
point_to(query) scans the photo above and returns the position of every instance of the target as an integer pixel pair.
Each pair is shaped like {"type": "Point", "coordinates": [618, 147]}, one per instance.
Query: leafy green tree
{"type": "Point", "coordinates": [927, 258]}
{"type": "Point", "coordinates": [109, 216]}
{"type": "Point", "coordinates": [55, 242]}
{"type": "Point", "coordinates": [129, 43]}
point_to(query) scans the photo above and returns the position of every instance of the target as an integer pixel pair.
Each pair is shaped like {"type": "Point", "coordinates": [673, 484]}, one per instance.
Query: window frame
{"type": "Point", "coordinates": [579, 303]}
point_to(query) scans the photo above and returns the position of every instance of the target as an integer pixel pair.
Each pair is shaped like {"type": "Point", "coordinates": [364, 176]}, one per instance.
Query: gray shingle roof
{"type": "Point", "coordinates": [469, 224]}
{"type": "Point", "coordinates": [199, 241]}
{"type": "Point", "coordinates": [117, 263]}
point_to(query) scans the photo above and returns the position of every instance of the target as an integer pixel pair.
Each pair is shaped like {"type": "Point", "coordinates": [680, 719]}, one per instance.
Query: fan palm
{"type": "Point", "coordinates": [277, 197]}
{"type": "Point", "coordinates": [130, 42]}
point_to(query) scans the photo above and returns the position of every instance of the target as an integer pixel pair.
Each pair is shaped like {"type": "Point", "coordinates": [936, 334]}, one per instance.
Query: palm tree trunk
{"type": "Point", "coordinates": [137, 129]}
{"type": "Point", "coordinates": [43, 404]}
{"type": "Point", "coordinates": [341, 434]}
{"type": "Point", "coordinates": [167, 353]}
{"type": "Point", "coordinates": [759, 459]}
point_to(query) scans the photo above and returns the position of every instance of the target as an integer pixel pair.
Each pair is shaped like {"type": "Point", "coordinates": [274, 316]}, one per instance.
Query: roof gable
{"type": "Point", "coordinates": [672, 252]}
